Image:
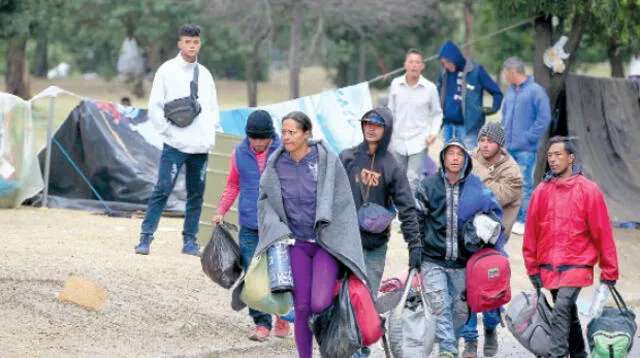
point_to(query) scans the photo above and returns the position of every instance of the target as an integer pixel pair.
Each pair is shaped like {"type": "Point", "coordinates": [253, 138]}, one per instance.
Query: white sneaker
{"type": "Point", "coordinates": [518, 228]}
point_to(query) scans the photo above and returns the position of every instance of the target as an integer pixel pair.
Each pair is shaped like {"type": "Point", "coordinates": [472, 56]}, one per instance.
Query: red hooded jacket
{"type": "Point", "coordinates": [567, 232]}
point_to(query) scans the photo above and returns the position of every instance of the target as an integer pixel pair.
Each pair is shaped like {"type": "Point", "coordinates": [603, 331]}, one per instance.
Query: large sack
{"type": "Point", "coordinates": [529, 320]}
{"type": "Point", "coordinates": [256, 291]}
{"type": "Point", "coordinates": [611, 334]}
{"type": "Point", "coordinates": [221, 259]}
{"type": "Point", "coordinates": [412, 327]}
{"type": "Point", "coordinates": [336, 328]}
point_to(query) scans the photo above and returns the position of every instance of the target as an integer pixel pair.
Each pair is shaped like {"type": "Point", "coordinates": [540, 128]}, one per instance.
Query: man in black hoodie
{"type": "Point", "coordinates": [376, 177]}
{"type": "Point", "coordinates": [446, 203]}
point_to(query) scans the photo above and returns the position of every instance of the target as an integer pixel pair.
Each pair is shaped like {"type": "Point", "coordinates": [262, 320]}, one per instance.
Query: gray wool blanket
{"type": "Point", "coordinates": [336, 218]}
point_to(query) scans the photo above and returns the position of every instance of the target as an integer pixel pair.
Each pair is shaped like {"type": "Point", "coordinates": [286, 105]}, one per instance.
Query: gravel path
{"type": "Point", "coordinates": [161, 305]}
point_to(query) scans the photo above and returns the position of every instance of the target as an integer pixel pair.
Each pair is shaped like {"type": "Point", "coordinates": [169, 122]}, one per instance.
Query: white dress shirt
{"type": "Point", "coordinates": [172, 81]}
{"type": "Point", "coordinates": [416, 112]}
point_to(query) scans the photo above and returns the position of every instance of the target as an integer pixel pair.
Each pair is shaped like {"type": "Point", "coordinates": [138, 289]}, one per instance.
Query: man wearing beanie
{"type": "Point", "coordinates": [526, 116]}
{"type": "Point", "coordinates": [500, 173]}
{"type": "Point", "coordinates": [247, 164]}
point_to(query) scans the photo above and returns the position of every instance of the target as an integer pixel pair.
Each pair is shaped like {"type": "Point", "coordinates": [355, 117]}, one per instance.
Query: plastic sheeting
{"type": "Point", "coordinates": [118, 151]}
{"type": "Point", "coordinates": [19, 171]}
{"type": "Point", "coordinates": [604, 115]}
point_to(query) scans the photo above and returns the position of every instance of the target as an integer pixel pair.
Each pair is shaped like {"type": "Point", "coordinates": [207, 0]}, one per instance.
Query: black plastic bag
{"type": "Point", "coordinates": [336, 328]}
{"type": "Point", "coordinates": [221, 259]}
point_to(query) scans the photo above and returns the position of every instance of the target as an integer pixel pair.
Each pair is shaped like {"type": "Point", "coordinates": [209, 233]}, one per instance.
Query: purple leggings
{"type": "Point", "coordinates": [315, 273]}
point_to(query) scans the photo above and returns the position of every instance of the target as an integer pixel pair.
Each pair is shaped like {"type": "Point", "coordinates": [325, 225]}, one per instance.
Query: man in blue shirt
{"type": "Point", "coordinates": [525, 118]}
{"type": "Point", "coordinates": [461, 85]}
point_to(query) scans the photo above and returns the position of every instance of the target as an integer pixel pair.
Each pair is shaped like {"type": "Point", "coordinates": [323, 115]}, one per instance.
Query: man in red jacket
{"type": "Point", "coordinates": [567, 232]}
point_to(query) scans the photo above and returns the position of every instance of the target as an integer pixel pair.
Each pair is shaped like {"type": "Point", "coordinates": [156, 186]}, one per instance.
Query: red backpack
{"type": "Point", "coordinates": [488, 280]}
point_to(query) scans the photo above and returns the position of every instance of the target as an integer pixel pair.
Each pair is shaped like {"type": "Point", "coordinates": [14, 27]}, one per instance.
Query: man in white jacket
{"type": "Point", "coordinates": [415, 104]}
{"type": "Point", "coordinates": [188, 146]}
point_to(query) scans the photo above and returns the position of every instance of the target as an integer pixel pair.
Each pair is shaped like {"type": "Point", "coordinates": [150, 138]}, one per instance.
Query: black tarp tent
{"type": "Point", "coordinates": [604, 115]}
{"type": "Point", "coordinates": [117, 150]}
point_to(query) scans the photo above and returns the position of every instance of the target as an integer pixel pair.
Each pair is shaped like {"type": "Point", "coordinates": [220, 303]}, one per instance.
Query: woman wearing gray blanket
{"type": "Point", "coordinates": [305, 194]}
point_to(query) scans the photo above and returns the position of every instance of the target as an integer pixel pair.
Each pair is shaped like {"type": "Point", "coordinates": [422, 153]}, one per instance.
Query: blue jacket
{"type": "Point", "coordinates": [249, 176]}
{"type": "Point", "coordinates": [525, 116]}
{"type": "Point", "coordinates": [461, 91]}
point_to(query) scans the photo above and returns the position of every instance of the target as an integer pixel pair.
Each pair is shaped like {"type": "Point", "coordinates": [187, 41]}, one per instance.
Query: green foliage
{"type": "Point", "coordinates": [527, 8]}
{"type": "Point", "coordinates": [389, 48]}
{"type": "Point", "coordinates": [492, 52]}
{"type": "Point", "coordinates": [94, 34]}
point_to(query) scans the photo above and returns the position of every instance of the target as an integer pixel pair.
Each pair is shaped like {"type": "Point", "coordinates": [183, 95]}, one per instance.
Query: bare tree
{"type": "Point", "coordinates": [468, 25]}
{"type": "Point", "coordinates": [294, 48]}
{"type": "Point", "coordinates": [16, 76]}
{"type": "Point", "coordinates": [370, 19]}
{"type": "Point", "coordinates": [253, 19]}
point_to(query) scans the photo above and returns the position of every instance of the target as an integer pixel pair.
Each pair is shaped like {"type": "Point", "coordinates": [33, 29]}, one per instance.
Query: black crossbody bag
{"type": "Point", "coordinates": [182, 111]}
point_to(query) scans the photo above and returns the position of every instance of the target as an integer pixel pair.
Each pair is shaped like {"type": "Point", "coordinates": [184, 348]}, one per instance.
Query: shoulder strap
{"type": "Point", "coordinates": [365, 195]}
{"type": "Point", "coordinates": [194, 82]}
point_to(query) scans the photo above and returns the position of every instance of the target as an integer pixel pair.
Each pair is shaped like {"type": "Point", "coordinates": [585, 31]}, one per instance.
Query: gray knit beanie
{"type": "Point", "coordinates": [493, 131]}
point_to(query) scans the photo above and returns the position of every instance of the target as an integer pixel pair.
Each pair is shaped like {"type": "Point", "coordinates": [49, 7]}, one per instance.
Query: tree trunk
{"type": "Point", "coordinates": [15, 77]}
{"type": "Point", "coordinates": [362, 60]}
{"type": "Point", "coordinates": [41, 65]}
{"type": "Point", "coordinates": [615, 59]}
{"type": "Point", "coordinates": [252, 83]}
{"type": "Point", "coordinates": [294, 49]}
{"type": "Point", "coordinates": [468, 25]}
{"type": "Point", "coordinates": [553, 83]}
{"type": "Point", "coordinates": [342, 75]}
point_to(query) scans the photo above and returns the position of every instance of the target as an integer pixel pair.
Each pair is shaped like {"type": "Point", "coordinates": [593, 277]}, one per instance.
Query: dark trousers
{"type": "Point", "coordinates": [566, 332]}
{"type": "Point", "coordinates": [171, 161]}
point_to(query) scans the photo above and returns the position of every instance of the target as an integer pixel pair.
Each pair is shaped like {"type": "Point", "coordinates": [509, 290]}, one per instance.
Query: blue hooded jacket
{"type": "Point", "coordinates": [461, 91]}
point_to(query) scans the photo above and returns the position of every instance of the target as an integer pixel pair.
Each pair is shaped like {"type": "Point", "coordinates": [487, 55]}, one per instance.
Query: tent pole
{"type": "Point", "coordinates": [47, 165]}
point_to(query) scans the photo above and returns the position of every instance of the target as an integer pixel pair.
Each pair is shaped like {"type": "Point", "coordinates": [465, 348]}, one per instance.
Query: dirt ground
{"type": "Point", "coordinates": [161, 305]}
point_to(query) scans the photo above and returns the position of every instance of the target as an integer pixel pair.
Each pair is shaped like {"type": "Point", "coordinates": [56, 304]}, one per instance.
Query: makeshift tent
{"type": "Point", "coordinates": [604, 115]}
{"type": "Point", "coordinates": [117, 151]}
{"type": "Point", "coordinates": [19, 172]}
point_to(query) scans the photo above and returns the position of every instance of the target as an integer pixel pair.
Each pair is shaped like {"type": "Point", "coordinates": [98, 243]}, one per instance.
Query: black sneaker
{"type": "Point", "coordinates": [490, 343]}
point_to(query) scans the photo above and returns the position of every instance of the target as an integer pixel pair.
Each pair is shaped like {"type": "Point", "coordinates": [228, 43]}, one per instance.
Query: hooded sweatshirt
{"type": "Point", "coordinates": [445, 208]}
{"type": "Point", "coordinates": [461, 91]}
{"type": "Point", "coordinates": [388, 185]}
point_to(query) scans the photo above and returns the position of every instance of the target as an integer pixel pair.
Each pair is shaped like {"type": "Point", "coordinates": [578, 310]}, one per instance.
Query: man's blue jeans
{"type": "Point", "coordinates": [490, 319]}
{"type": "Point", "coordinates": [527, 162]}
{"type": "Point", "coordinates": [443, 288]}
{"type": "Point", "coordinates": [248, 241]}
{"type": "Point", "coordinates": [171, 161]}
{"type": "Point", "coordinates": [451, 130]}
